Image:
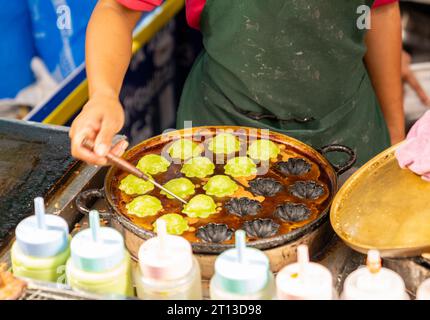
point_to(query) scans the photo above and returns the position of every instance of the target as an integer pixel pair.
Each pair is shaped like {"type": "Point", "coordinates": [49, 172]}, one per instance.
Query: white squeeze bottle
{"type": "Point", "coordinates": [41, 248]}
{"type": "Point", "coordinates": [374, 282]}
{"type": "Point", "coordinates": [305, 280]}
{"type": "Point", "coordinates": [167, 269]}
{"type": "Point", "coordinates": [242, 273]}
{"type": "Point", "coordinates": [423, 292]}
{"type": "Point", "coordinates": [99, 262]}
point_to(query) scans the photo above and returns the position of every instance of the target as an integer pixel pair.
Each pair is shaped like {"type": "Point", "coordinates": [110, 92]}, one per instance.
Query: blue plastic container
{"type": "Point", "coordinates": [59, 33]}
{"type": "Point", "coordinates": [16, 47]}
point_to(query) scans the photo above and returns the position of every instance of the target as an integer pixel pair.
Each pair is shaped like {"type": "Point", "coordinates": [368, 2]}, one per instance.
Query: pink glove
{"type": "Point", "coordinates": [414, 153]}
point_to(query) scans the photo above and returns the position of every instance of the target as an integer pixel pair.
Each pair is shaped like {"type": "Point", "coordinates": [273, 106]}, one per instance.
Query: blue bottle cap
{"type": "Point", "coordinates": [97, 249]}
{"type": "Point", "coordinates": [42, 235]}
{"type": "Point", "coordinates": [242, 270]}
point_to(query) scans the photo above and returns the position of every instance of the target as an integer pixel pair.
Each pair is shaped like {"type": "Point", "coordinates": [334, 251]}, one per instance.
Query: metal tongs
{"type": "Point", "coordinates": [128, 167]}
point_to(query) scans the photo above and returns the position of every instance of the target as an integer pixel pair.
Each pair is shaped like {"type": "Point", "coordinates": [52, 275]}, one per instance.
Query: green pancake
{"type": "Point", "coordinates": [185, 149]}
{"type": "Point", "coordinates": [240, 167]}
{"type": "Point", "coordinates": [153, 164]}
{"type": "Point", "coordinates": [199, 167]}
{"type": "Point", "coordinates": [144, 206]}
{"type": "Point", "coordinates": [133, 185]}
{"type": "Point", "coordinates": [175, 223]}
{"type": "Point", "coordinates": [263, 150]}
{"type": "Point", "coordinates": [200, 206]}
{"type": "Point", "coordinates": [182, 187]}
{"type": "Point", "coordinates": [220, 186]}
{"type": "Point", "coordinates": [224, 143]}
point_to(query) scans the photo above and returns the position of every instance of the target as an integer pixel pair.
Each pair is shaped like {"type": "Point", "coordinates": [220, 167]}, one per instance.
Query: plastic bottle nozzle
{"type": "Point", "coordinates": [42, 235]}
{"type": "Point", "coordinates": [161, 234]}
{"type": "Point", "coordinates": [39, 210]}
{"type": "Point", "coordinates": [97, 248]}
{"type": "Point", "coordinates": [242, 270]}
{"type": "Point", "coordinates": [374, 263]}
{"type": "Point", "coordinates": [240, 237]}
{"type": "Point", "coordinates": [165, 257]}
{"type": "Point", "coordinates": [95, 224]}
{"type": "Point", "coordinates": [302, 258]}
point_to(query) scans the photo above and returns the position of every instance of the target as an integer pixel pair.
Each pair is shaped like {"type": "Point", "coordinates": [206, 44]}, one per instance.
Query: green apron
{"type": "Point", "coordinates": [292, 66]}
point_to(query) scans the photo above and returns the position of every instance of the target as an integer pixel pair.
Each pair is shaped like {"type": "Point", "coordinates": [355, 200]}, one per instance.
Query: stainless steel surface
{"type": "Point", "coordinates": [37, 290]}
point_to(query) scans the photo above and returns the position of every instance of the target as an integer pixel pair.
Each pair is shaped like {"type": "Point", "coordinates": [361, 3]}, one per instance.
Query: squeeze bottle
{"type": "Point", "coordinates": [374, 282]}
{"type": "Point", "coordinates": [167, 269]}
{"type": "Point", "coordinates": [99, 262]}
{"type": "Point", "coordinates": [242, 273]}
{"type": "Point", "coordinates": [304, 280]}
{"type": "Point", "coordinates": [41, 248]}
{"type": "Point", "coordinates": [423, 292]}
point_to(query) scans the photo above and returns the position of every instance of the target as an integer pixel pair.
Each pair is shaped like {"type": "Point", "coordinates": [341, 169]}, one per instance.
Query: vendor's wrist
{"type": "Point", "coordinates": [105, 94]}
{"type": "Point", "coordinates": [397, 138]}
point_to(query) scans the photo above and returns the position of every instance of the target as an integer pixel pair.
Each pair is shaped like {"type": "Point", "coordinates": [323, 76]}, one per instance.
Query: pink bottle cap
{"type": "Point", "coordinates": [165, 257]}
{"type": "Point", "coordinates": [304, 280]}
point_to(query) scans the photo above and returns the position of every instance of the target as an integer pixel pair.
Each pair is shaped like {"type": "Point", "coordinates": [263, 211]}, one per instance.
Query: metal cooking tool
{"type": "Point", "coordinates": [128, 167]}
{"type": "Point", "coordinates": [384, 207]}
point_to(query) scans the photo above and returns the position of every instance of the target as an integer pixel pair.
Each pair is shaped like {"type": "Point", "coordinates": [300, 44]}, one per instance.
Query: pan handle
{"type": "Point", "coordinates": [341, 168]}
{"type": "Point", "coordinates": [86, 196]}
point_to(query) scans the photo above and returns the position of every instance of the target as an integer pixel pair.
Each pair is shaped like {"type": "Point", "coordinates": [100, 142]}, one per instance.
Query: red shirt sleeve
{"type": "Point", "coordinates": [379, 3]}
{"type": "Point", "coordinates": [141, 5]}
{"type": "Point", "coordinates": [194, 12]}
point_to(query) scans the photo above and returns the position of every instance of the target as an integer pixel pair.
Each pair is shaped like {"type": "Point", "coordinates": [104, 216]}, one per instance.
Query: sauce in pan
{"type": "Point", "coordinates": [269, 204]}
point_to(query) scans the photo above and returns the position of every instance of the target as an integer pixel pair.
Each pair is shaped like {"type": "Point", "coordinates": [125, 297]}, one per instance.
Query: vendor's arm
{"type": "Point", "coordinates": [410, 78]}
{"type": "Point", "coordinates": [108, 54]}
{"type": "Point", "coordinates": [383, 61]}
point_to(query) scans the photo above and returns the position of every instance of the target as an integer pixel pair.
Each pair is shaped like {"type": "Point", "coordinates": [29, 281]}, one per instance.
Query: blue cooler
{"type": "Point", "coordinates": [16, 47]}
{"type": "Point", "coordinates": [59, 28]}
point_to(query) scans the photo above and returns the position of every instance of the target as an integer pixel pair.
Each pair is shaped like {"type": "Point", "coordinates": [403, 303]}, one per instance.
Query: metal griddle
{"type": "Point", "coordinates": [34, 160]}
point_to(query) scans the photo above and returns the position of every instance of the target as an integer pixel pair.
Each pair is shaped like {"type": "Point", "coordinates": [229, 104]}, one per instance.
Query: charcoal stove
{"type": "Point", "coordinates": [70, 178]}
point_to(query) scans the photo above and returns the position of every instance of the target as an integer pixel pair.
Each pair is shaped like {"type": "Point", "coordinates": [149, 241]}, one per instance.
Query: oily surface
{"type": "Point", "coordinates": [234, 222]}
{"type": "Point", "coordinates": [32, 161]}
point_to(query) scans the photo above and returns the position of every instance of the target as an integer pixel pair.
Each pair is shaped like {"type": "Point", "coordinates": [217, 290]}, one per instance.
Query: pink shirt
{"type": "Point", "coordinates": [195, 7]}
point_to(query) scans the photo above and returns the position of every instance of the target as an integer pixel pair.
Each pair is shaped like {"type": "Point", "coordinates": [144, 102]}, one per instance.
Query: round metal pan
{"type": "Point", "coordinates": [120, 221]}
{"type": "Point", "coordinates": [384, 207]}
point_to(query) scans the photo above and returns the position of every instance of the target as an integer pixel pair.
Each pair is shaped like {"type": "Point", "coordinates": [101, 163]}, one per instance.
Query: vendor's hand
{"type": "Point", "coordinates": [409, 77]}
{"type": "Point", "coordinates": [100, 119]}
{"type": "Point", "coordinates": [414, 153]}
